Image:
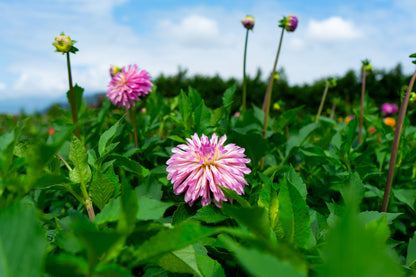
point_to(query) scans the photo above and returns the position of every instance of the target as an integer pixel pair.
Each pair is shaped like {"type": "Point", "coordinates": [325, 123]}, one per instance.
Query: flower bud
{"type": "Point", "coordinates": [248, 22]}
{"type": "Point", "coordinates": [114, 70]}
{"type": "Point", "coordinates": [289, 23]}
{"type": "Point", "coordinates": [64, 44]}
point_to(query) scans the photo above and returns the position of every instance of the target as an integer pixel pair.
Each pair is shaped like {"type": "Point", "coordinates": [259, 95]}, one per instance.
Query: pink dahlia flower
{"type": "Point", "coordinates": [128, 85]}
{"type": "Point", "coordinates": [200, 165]}
{"type": "Point", "coordinates": [388, 108]}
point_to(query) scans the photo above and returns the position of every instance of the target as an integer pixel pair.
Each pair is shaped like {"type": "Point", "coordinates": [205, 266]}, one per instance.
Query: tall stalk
{"type": "Point", "coordinates": [396, 141]}
{"type": "Point", "coordinates": [322, 101]}
{"type": "Point", "coordinates": [72, 98]}
{"type": "Point", "coordinates": [243, 106]}
{"type": "Point", "coordinates": [360, 130]}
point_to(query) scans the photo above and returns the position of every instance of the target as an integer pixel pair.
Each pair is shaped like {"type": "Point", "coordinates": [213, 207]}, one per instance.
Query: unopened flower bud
{"type": "Point", "coordinates": [248, 22]}
{"type": "Point", "coordinates": [64, 44]}
{"type": "Point", "coordinates": [289, 23]}
{"type": "Point", "coordinates": [114, 70]}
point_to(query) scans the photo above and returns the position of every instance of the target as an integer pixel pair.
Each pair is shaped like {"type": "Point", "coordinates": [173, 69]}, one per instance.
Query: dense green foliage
{"type": "Point", "coordinates": [312, 210]}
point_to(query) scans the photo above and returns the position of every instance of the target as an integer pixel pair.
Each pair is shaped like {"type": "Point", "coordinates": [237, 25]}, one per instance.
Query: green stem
{"type": "Point", "coordinates": [72, 98]}
{"type": "Point", "coordinates": [133, 123]}
{"type": "Point", "coordinates": [322, 102]}
{"type": "Point", "coordinates": [360, 131]}
{"type": "Point", "coordinates": [396, 141]}
{"type": "Point", "coordinates": [268, 96]}
{"type": "Point", "coordinates": [243, 107]}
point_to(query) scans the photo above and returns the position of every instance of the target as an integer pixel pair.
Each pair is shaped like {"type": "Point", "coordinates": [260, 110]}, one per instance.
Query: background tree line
{"type": "Point", "coordinates": [381, 86]}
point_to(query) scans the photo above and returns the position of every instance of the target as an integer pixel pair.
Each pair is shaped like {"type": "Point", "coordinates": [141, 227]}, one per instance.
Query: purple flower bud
{"type": "Point", "coordinates": [289, 23]}
{"type": "Point", "coordinates": [248, 22]}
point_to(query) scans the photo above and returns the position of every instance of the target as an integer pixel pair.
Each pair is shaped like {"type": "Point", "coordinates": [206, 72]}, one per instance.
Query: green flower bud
{"type": "Point", "coordinates": [64, 44]}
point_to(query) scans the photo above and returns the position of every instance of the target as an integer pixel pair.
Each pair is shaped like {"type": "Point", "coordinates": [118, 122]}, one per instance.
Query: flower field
{"type": "Point", "coordinates": [146, 185]}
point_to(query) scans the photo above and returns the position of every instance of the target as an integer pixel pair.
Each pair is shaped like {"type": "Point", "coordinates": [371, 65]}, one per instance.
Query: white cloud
{"type": "Point", "coordinates": [333, 29]}
{"type": "Point", "coordinates": [193, 30]}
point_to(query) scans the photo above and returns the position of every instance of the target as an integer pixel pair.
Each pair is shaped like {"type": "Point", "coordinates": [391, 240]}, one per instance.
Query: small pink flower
{"type": "Point", "coordinates": [128, 85]}
{"type": "Point", "coordinates": [388, 108]}
{"type": "Point", "coordinates": [200, 165]}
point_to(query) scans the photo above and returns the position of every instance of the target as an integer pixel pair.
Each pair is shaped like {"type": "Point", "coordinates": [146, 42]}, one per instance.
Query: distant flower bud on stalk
{"type": "Point", "coordinates": [248, 22]}
{"type": "Point", "coordinates": [289, 23]}
{"type": "Point", "coordinates": [64, 44]}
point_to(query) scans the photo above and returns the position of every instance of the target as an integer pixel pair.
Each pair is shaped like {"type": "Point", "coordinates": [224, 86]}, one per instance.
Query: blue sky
{"type": "Point", "coordinates": [204, 37]}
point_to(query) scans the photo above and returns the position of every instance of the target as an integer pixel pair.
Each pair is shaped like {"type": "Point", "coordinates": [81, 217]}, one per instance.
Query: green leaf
{"type": "Point", "coordinates": [294, 214]}
{"type": "Point", "coordinates": [181, 261]}
{"type": "Point", "coordinates": [22, 241]}
{"type": "Point", "coordinates": [185, 108]}
{"type": "Point", "coordinates": [110, 213]}
{"type": "Point", "coordinates": [151, 209]}
{"type": "Point", "coordinates": [66, 265]}
{"type": "Point", "coordinates": [411, 251]}
{"type": "Point", "coordinates": [172, 239]}
{"type": "Point", "coordinates": [352, 250]}
{"type": "Point", "coordinates": [254, 144]}
{"type": "Point", "coordinates": [268, 199]}
{"type": "Point", "coordinates": [111, 270]}
{"type": "Point", "coordinates": [259, 263]}
{"type": "Point", "coordinates": [296, 180]}
{"type": "Point", "coordinates": [209, 214]}
{"type": "Point", "coordinates": [101, 190]}
{"type": "Point", "coordinates": [129, 165]}
{"type": "Point", "coordinates": [78, 91]}
{"type": "Point", "coordinates": [286, 118]}
{"type": "Point", "coordinates": [227, 99]}
{"type": "Point", "coordinates": [106, 138]}
{"type": "Point", "coordinates": [406, 196]}
{"type": "Point", "coordinates": [129, 209]}
{"type": "Point", "coordinates": [299, 139]}
{"type": "Point", "coordinates": [352, 190]}
{"type": "Point", "coordinates": [254, 218]}
{"type": "Point", "coordinates": [232, 194]}
{"type": "Point", "coordinates": [81, 173]}
{"type": "Point", "coordinates": [201, 117]}
{"type": "Point", "coordinates": [209, 267]}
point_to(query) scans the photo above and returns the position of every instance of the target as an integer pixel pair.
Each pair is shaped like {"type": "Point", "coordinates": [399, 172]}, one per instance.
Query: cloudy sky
{"type": "Point", "coordinates": [204, 37]}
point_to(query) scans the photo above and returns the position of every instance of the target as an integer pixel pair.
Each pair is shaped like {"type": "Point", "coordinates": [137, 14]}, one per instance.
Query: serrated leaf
{"type": "Point", "coordinates": [232, 194]}
{"type": "Point", "coordinates": [130, 165]}
{"type": "Point", "coordinates": [110, 213]}
{"type": "Point", "coordinates": [101, 190]}
{"type": "Point", "coordinates": [294, 215]}
{"type": "Point", "coordinates": [300, 138]}
{"type": "Point", "coordinates": [268, 199]}
{"type": "Point", "coordinates": [227, 99]}
{"type": "Point", "coordinates": [172, 239]}
{"type": "Point", "coordinates": [81, 173]}
{"type": "Point", "coordinates": [297, 181]}
{"type": "Point", "coordinates": [201, 117]}
{"type": "Point", "coordinates": [106, 138]}
{"type": "Point", "coordinates": [209, 214]}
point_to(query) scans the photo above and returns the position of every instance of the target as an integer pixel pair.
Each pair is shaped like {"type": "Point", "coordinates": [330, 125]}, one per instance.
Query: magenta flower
{"type": "Point", "coordinates": [200, 165]}
{"type": "Point", "coordinates": [388, 108]}
{"type": "Point", "coordinates": [128, 86]}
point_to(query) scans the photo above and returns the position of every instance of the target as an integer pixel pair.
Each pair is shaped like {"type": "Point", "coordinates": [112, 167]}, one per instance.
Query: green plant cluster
{"type": "Point", "coordinates": [312, 211]}
{"type": "Point", "coordinates": [382, 85]}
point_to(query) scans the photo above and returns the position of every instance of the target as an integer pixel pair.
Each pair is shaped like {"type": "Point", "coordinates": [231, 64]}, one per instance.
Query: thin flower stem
{"type": "Point", "coordinates": [65, 162]}
{"type": "Point", "coordinates": [360, 131]}
{"type": "Point", "coordinates": [133, 123]}
{"type": "Point", "coordinates": [322, 102]}
{"type": "Point", "coordinates": [72, 98]}
{"type": "Point", "coordinates": [396, 141]}
{"type": "Point", "coordinates": [243, 107]}
{"type": "Point", "coordinates": [268, 96]}
{"type": "Point", "coordinates": [334, 105]}
{"type": "Point", "coordinates": [88, 201]}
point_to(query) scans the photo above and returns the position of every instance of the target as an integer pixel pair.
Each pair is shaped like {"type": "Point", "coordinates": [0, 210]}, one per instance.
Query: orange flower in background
{"type": "Point", "coordinates": [389, 121]}
{"type": "Point", "coordinates": [349, 118]}
{"type": "Point", "coordinates": [372, 130]}
{"type": "Point", "coordinates": [51, 131]}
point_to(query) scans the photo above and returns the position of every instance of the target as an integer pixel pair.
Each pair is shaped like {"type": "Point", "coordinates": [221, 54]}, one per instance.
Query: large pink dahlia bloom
{"type": "Point", "coordinates": [128, 85]}
{"type": "Point", "coordinates": [200, 165]}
